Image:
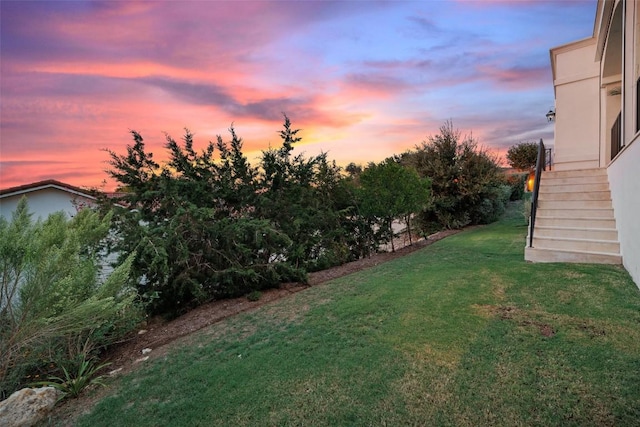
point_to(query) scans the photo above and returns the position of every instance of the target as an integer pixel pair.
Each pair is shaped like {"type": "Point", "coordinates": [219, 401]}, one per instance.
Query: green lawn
{"type": "Point", "coordinates": [461, 333]}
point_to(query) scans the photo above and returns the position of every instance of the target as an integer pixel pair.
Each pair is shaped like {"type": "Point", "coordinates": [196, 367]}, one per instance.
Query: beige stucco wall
{"type": "Point", "coordinates": [624, 181]}
{"type": "Point", "coordinates": [624, 170]}
{"type": "Point", "coordinates": [577, 86]}
{"type": "Point", "coordinates": [586, 109]}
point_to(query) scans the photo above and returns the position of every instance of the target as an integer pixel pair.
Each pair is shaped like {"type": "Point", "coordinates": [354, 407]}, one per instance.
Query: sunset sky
{"type": "Point", "coordinates": [363, 79]}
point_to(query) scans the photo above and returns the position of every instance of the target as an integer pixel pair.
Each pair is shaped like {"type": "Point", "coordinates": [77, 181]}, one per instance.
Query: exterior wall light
{"type": "Point", "coordinates": [551, 115]}
{"type": "Point", "coordinates": [530, 181]}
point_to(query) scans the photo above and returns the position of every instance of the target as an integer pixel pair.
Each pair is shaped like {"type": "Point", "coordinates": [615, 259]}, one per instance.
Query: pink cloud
{"type": "Point", "coordinates": [374, 85]}
{"type": "Point", "coordinates": [515, 78]}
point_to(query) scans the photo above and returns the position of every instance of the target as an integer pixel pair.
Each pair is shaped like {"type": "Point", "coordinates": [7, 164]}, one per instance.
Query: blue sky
{"type": "Point", "coordinates": [363, 79]}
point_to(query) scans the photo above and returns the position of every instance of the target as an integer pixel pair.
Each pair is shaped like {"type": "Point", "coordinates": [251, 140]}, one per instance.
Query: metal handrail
{"type": "Point", "coordinates": [540, 166]}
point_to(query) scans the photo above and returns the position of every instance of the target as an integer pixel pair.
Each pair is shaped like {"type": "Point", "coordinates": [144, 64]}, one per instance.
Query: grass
{"type": "Point", "coordinates": [463, 332]}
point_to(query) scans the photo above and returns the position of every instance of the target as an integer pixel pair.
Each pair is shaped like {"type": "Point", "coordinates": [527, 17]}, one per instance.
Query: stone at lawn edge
{"type": "Point", "coordinates": [26, 407]}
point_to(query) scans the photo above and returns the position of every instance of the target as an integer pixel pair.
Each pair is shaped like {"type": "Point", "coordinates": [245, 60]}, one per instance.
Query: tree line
{"type": "Point", "coordinates": [207, 224]}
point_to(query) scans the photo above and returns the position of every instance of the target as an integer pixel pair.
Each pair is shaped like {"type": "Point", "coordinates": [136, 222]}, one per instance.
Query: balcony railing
{"type": "Point", "coordinates": [616, 137]}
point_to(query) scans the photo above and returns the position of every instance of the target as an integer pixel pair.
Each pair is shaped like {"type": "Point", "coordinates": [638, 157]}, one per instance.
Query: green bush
{"type": "Point", "coordinates": [492, 206]}
{"type": "Point", "coordinates": [198, 223]}
{"type": "Point", "coordinates": [517, 183]}
{"type": "Point", "coordinates": [464, 180]}
{"type": "Point", "coordinates": [391, 191]}
{"type": "Point", "coordinates": [254, 296]}
{"type": "Point", "coordinates": [526, 207]}
{"type": "Point", "coordinates": [53, 308]}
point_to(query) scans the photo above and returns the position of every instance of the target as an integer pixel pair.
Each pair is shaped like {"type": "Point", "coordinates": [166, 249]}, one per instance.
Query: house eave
{"type": "Point", "coordinates": [41, 185]}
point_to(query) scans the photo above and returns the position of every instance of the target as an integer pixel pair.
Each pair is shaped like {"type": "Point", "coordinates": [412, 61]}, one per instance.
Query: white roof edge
{"type": "Point", "coordinates": [45, 186]}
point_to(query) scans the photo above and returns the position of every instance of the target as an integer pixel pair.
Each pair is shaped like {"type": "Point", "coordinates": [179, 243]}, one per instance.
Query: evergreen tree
{"type": "Point", "coordinates": [297, 196]}
{"type": "Point", "coordinates": [193, 227]}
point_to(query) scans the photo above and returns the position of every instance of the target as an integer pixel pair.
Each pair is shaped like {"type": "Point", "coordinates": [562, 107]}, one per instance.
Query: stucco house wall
{"type": "Point", "coordinates": [577, 87]}
{"type": "Point", "coordinates": [595, 80]}
{"type": "Point", "coordinates": [45, 198]}
{"type": "Point", "coordinates": [624, 169]}
{"type": "Point", "coordinates": [624, 181]}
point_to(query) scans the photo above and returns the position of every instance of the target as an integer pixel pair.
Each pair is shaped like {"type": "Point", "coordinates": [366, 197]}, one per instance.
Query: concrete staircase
{"type": "Point", "coordinates": [574, 221]}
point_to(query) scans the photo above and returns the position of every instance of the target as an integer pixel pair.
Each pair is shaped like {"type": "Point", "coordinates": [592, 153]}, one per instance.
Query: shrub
{"type": "Point", "coordinates": [52, 305]}
{"type": "Point", "coordinates": [523, 156]}
{"type": "Point", "coordinates": [526, 207]}
{"type": "Point", "coordinates": [309, 200]}
{"type": "Point", "coordinates": [492, 206]}
{"type": "Point", "coordinates": [463, 180]}
{"type": "Point", "coordinates": [391, 191]}
{"type": "Point", "coordinates": [517, 184]}
{"type": "Point", "coordinates": [194, 225]}
{"type": "Point", "coordinates": [254, 296]}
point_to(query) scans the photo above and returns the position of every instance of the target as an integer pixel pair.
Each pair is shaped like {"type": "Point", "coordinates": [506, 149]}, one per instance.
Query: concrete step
{"type": "Point", "coordinates": [574, 204]}
{"type": "Point", "coordinates": [609, 234]}
{"type": "Point", "coordinates": [576, 221]}
{"type": "Point", "coordinates": [572, 188]}
{"type": "Point", "coordinates": [546, 255]}
{"type": "Point", "coordinates": [575, 213]}
{"type": "Point", "coordinates": [576, 172]}
{"type": "Point", "coordinates": [575, 177]}
{"type": "Point", "coordinates": [568, 180]}
{"type": "Point", "coordinates": [576, 195]}
{"type": "Point", "coordinates": [576, 245]}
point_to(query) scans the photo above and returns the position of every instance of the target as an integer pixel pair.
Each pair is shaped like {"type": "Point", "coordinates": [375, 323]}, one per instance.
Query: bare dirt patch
{"type": "Point", "coordinates": [513, 313]}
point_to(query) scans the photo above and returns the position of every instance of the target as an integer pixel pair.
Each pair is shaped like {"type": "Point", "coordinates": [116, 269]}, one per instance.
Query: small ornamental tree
{"type": "Point", "coordinates": [523, 156]}
{"type": "Point", "coordinates": [392, 191]}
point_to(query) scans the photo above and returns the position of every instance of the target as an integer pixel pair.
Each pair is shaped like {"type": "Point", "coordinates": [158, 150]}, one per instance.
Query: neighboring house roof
{"type": "Point", "coordinates": [50, 183]}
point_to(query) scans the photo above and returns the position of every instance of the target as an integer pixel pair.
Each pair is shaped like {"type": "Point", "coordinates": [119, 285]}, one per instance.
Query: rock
{"type": "Point", "coordinates": [115, 372]}
{"type": "Point", "coordinates": [142, 331]}
{"type": "Point", "coordinates": [26, 407]}
{"type": "Point", "coordinates": [142, 359]}
{"type": "Point", "coordinates": [146, 351]}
